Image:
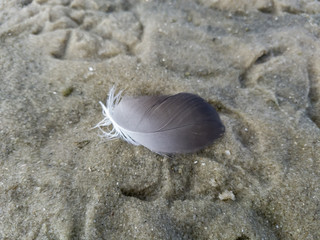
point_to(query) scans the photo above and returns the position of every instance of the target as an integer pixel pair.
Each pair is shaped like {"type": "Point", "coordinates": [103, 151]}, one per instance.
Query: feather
{"type": "Point", "coordinates": [180, 123]}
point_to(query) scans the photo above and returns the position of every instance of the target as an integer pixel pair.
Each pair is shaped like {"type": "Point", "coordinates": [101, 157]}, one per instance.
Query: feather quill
{"type": "Point", "coordinates": [180, 123]}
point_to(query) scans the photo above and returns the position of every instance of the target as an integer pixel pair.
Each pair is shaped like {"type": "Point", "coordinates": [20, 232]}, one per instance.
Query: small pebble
{"type": "Point", "coordinates": [66, 92]}
{"type": "Point", "coordinates": [227, 195]}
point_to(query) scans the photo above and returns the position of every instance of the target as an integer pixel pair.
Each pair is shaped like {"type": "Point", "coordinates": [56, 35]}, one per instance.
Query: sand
{"type": "Point", "coordinates": [256, 62]}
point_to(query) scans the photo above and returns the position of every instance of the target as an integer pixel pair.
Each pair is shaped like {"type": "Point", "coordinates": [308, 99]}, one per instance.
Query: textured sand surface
{"type": "Point", "coordinates": [257, 62]}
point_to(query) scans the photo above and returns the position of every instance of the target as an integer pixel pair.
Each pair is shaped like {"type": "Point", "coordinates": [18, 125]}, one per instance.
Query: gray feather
{"type": "Point", "coordinates": [181, 123]}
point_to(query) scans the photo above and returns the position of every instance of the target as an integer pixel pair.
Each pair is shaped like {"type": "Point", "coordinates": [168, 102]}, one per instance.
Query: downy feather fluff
{"type": "Point", "coordinates": [180, 123]}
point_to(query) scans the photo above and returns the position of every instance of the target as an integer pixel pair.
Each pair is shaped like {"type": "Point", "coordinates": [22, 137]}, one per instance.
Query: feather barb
{"type": "Point", "coordinates": [113, 130]}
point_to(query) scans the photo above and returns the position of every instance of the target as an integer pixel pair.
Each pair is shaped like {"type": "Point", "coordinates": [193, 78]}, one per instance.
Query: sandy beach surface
{"type": "Point", "coordinates": [257, 62]}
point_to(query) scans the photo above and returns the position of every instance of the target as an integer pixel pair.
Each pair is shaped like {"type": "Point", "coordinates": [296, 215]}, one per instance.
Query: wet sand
{"type": "Point", "coordinates": [256, 63]}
